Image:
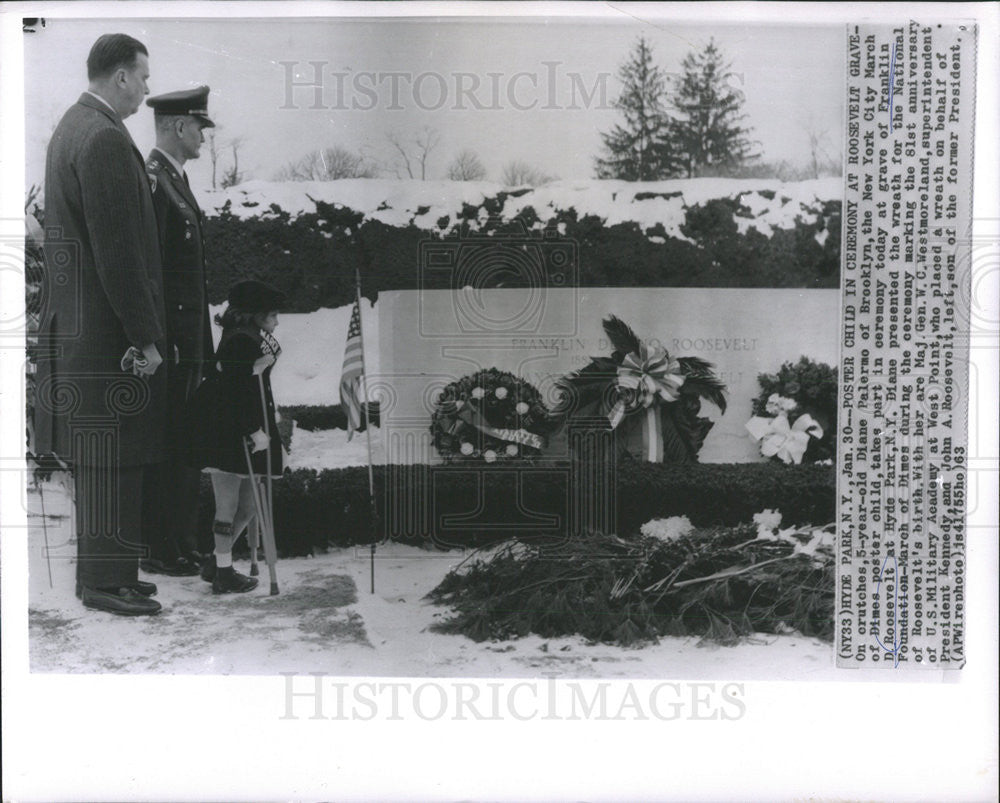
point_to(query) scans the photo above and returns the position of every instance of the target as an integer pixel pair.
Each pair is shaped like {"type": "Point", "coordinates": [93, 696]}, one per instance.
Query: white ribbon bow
{"type": "Point", "coordinates": [651, 373]}
{"type": "Point", "coordinates": [778, 437]}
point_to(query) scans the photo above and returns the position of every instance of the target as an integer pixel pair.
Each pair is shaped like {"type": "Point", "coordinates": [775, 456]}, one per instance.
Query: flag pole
{"type": "Point", "coordinates": [368, 423]}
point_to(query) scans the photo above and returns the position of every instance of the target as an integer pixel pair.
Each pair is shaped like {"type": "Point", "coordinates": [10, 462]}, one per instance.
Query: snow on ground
{"type": "Point", "coordinates": [329, 448]}
{"type": "Point", "coordinates": [424, 203]}
{"type": "Point", "coordinates": [327, 620]}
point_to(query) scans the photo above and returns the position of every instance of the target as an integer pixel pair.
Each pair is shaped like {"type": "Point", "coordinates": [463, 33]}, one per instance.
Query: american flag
{"type": "Point", "coordinates": [350, 377]}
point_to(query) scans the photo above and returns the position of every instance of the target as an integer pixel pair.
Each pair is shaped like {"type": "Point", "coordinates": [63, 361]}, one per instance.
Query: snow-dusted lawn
{"type": "Point", "coordinates": [326, 620]}
{"type": "Point", "coordinates": [329, 448]}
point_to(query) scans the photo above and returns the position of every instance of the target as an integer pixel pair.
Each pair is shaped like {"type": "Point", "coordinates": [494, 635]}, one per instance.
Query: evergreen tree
{"type": "Point", "coordinates": [706, 130]}
{"type": "Point", "coordinates": [639, 150]}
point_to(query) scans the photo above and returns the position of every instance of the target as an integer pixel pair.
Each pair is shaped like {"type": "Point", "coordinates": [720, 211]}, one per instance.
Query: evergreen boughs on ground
{"type": "Point", "coordinates": [721, 584]}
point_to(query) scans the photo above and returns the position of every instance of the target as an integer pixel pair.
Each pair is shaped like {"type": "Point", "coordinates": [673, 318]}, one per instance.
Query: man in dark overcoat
{"type": "Point", "coordinates": [180, 117]}
{"type": "Point", "coordinates": [101, 400]}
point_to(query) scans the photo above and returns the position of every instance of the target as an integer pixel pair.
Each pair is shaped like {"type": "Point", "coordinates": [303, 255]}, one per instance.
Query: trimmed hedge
{"type": "Point", "coordinates": [312, 257]}
{"type": "Point", "coordinates": [725, 494]}
{"type": "Point", "coordinates": [314, 417]}
{"type": "Point", "coordinates": [331, 508]}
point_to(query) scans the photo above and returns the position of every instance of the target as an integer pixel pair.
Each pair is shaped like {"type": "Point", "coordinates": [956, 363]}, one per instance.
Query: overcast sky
{"type": "Point", "coordinates": [506, 89]}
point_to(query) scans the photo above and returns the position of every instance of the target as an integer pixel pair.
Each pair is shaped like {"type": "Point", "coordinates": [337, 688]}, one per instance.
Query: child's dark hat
{"type": "Point", "coordinates": [253, 296]}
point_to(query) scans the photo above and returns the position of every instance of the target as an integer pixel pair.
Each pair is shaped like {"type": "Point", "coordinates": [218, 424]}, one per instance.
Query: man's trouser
{"type": "Point", "coordinates": [170, 520]}
{"type": "Point", "coordinates": [109, 524]}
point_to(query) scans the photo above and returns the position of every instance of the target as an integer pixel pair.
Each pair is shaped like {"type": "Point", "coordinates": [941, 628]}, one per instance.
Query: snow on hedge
{"type": "Point", "coordinates": [766, 205]}
{"type": "Point", "coordinates": [309, 369]}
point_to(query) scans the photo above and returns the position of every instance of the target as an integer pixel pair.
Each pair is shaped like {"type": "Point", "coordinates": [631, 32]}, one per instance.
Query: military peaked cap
{"type": "Point", "coordinates": [193, 102]}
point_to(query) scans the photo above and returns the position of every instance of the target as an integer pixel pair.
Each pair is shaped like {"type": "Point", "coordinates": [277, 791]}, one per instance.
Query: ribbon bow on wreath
{"type": "Point", "coordinates": [657, 393]}
{"type": "Point", "coordinates": [650, 373]}
{"type": "Point", "coordinates": [652, 377]}
{"type": "Point", "coordinates": [780, 439]}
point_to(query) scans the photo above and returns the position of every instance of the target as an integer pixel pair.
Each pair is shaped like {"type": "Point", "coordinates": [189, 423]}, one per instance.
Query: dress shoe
{"type": "Point", "coordinates": [144, 588]}
{"type": "Point", "coordinates": [182, 567]}
{"type": "Point", "coordinates": [119, 601]}
{"type": "Point", "coordinates": [229, 581]}
{"type": "Point", "coordinates": [139, 586]}
{"type": "Point", "coordinates": [197, 558]}
{"type": "Point", "coordinates": [208, 569]}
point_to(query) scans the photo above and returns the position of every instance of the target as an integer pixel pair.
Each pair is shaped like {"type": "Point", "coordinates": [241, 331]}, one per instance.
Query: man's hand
{"type": "Point", "coordinates": [153, 360]}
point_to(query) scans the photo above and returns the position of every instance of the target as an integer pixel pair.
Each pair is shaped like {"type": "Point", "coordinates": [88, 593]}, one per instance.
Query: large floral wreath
{"type": "Point", "coordinates": [490, 416]}
{"type": "Point", "coordinates": [654, 398]}
{"type": "Point", "coordinates": [795, 415]}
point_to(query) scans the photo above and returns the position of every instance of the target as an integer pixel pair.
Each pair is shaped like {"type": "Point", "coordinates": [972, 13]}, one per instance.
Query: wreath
{"type": "Point", "coordinates": [490, 416]}
{"type": "Point", "coordinates": [653, 397]}
{"type": "Point", "coordinates": [795, 415]}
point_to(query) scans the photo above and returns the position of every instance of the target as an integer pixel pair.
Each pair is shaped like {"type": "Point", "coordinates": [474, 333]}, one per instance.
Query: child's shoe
{"type": "Point", "coordinates": [229, 581]}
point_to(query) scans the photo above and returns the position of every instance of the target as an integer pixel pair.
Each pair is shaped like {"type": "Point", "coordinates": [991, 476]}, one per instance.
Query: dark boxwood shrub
{"type": "Point", "coordinates": [473, 505]}
{"type": "Point", "coordinates": [724, 494]}
{"type": "Point", "coordinates": [312, 257]}
{"type": "Point", "coordinates": [324, 416]}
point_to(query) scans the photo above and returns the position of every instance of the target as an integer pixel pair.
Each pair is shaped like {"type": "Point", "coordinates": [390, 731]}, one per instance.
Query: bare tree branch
{"type": "Point", "coordinates": [233, 176]}
{"type": "Point", "coordinates": [518, 174]}
{"type": "Point", "coordinates": [820, 161]}
{"type": "Point", "coordinates": [328, 164]}
{"type": "Point", "coordinates": [213, 151]}
{"type": "Point", "coordinates": [466, 167]}
{"type": "Point", "coordinates": [426, 141]}
{"type": "Point", "coordinates": [396, 141]}
{"type": "Point", "coordinates": [414, 153]}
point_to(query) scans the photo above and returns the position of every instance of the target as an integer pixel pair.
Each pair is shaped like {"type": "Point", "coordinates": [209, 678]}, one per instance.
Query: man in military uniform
{"type": "Point", "coordinates": [180, 119]}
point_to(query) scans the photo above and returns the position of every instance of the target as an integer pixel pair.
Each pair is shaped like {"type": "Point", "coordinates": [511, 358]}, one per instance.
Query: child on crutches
{"type": "Point", "coordinates": [232, 430]}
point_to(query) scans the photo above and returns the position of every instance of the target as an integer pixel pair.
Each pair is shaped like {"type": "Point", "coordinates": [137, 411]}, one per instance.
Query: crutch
{"type": "Point", "coordinates": [269, 542]}
{"type": "Point", "coordinates": [259, 502]}
{"type": "Point", "coordinates": [45, 527]}
{"type": "Point", "coordinates": [253, 541]}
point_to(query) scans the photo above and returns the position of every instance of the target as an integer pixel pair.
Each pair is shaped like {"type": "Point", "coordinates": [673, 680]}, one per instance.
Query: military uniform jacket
{"type": "Point", "coordinates": [103, 293]}
{"type": "Point", "coordinates": [179, 220]}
